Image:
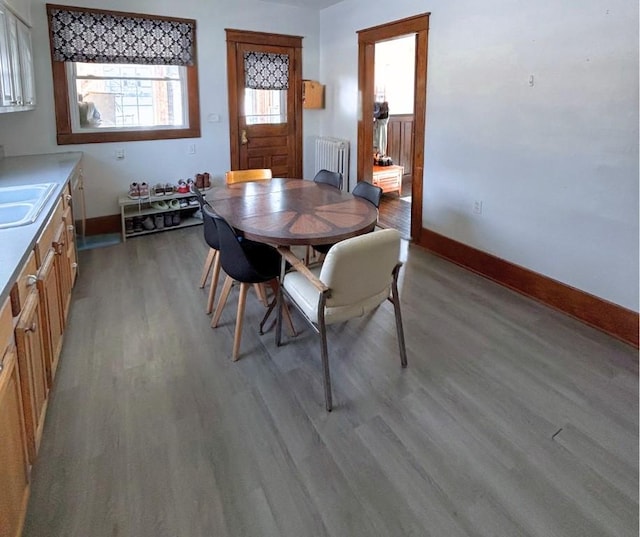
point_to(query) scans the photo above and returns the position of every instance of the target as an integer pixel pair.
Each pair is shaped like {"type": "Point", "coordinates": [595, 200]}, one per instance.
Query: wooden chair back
{"type": "Point", "coordinates": [243, 176]}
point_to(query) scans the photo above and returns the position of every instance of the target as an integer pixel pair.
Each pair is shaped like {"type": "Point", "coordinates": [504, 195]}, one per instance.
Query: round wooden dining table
{"type": "Point", "coordinates": [287, 212]}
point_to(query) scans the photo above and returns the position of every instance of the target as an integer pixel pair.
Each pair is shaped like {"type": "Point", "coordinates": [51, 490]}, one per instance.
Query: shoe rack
{"type": "Point", "coordinates": [134, 213]}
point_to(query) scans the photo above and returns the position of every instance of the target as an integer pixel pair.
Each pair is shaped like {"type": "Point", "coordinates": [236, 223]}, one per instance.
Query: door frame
{"type": "Point", "coordinates": [367, 39]}
{"type": "Point", "coordinates": [295, 85]}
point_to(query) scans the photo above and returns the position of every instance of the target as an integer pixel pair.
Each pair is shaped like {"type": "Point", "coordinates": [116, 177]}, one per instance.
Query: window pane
{"type": "Point", "coordinates": [265, 106]}
{"type": "Point", "coordinates": [129, 96]}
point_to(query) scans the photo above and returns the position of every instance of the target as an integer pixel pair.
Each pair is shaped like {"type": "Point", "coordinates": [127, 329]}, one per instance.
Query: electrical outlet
{"type": "Point", "coordinates": [192, 149]}
{"type": "Point", "coordinates": [477, 207]}
{"type": "Point", "coordinates": [119, 154]}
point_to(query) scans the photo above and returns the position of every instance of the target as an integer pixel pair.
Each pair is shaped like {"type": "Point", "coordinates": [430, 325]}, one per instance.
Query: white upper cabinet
{"type": "Point", "coordinates": [17, 86]}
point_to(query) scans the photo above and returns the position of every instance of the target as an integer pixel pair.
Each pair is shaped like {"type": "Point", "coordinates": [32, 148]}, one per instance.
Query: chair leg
{"type": "Point", "coordinates": [398, 315]}
{"type": "Point", "coordinates": [214, 281]}
{"type": "Point", "coordinates": [285, 310]}
{"type": "Point", "coordinates": [262, 295]}
{"type": "Point", "coordinates": [325, 365]}
{"type": "Point", "coordinates": [226, 288]}
{"type": "Point", "coordinates": [242, 301]}
{"type": "Point", "coordinates": [207, 267]}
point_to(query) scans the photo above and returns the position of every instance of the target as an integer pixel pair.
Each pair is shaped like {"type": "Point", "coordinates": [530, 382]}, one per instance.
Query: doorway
{"type": "Point", "coordinates": [265, 109]}
{"type": "Point", "coordinates": [417, 27]}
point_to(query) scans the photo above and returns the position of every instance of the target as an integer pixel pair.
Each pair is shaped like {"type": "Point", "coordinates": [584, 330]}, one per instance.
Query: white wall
{"type": "Point", "coordinates": [555, 165]}
{"type": "Point", "coordinates": [163, 161]}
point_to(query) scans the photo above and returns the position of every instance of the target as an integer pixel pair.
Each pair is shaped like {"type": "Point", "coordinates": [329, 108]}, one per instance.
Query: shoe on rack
{"type": "Point", "coordinates": [174, 204]}
{"type": "Point", "coordinates": [168, 220]}
{"type": "Point", "coordinates": [182, 187]}
{"type": "Point", "coordinates": [158, 190]}
{"type": "Point", "coordinates": [193, 202]}
{"type": "Point", "coordinates": [137, 224]}
{"type": "Point", "coordinates": [168, 188]}
{"type": "Point", "coordinates": [128, 225]}
{"type": "Point", "coordinates": [176, 218]}
{"type": "Point", "coordinates": [144, 190]}
{"type": "Point", "coordinates": [148, 223]}
{"type": "Point", "coordinates": [158, 220]}
{"type": "Point", "coordinates": [160, 205]}
{"type": "Point", "coordinates": [134, 191]}
{"type": "Point", "coordinates": [184, 203]}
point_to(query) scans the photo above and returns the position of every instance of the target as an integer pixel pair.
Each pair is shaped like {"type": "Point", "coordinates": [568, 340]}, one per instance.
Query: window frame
{"type": "Point", "coordinates": [64, 131]}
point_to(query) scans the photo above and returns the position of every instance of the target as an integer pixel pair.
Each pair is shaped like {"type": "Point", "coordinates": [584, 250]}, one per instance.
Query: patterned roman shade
{"type": "Point", "coordinates": [266, 71]}
{"type": "Point", "coordinates": [96, 36]}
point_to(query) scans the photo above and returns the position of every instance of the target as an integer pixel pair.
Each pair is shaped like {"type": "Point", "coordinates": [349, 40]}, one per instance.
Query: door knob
{"type": "Point", "coordinates": [243, 137]}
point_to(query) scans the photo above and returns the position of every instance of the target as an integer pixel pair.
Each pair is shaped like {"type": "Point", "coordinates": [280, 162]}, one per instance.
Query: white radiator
{"type": "Point", "coordinates": [333, 154]}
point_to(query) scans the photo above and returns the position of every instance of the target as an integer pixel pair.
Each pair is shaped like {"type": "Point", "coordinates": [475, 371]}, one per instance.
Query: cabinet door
{"type": "Point", "coordinates": [26, 65]}
{"type": "Point", "coordinates": [32, 371]}
{"type": "Point", "coordinates": [7, 94]}
{"type": "Point", "coordinates": [63, 268]}
{"type": "Point", "coordinates": [72, 257]}
{"type": "Point", "coordinates": [14, 467]}
{"type": "Point", "coordinates": [52, 309]}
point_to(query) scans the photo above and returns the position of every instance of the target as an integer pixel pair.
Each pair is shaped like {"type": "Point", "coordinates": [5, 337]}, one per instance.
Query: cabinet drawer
{"type": "Point", "coordinates": [25, 282]}
{"type": "Point", "coordinates": [46, 238]}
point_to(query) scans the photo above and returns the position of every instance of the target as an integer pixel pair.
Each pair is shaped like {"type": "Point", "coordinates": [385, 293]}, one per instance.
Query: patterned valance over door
{"type": "Point", "coordinates": [97, 36]}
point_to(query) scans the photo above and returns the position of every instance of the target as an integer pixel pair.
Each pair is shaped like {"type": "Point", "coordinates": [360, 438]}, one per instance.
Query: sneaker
{"type": "Point", "coordinates": [168, 188]}
{"type": "Point", "coordinates": [176, 218]}
{"type": "Point", "coordinates": [158, 220]}
{"type": "Point", "coordinates": [158, 190]}
{"type": "Point", "coordinates": [193, 202]}
{"type": "Point", "coordinates": [134, 191]}
{"type": "Point", "coordinates": [148, 224]}
{"type": "Point", "coordinates": [168, 220]}
{"type": "Point", "coordinates": [137, 224]}
{"type": "Point", "coordinates": [144, 190]}
{"type": "Point", "coordinates": [183, 203]}
{"type": "Point", "coordinates": [128, 225]}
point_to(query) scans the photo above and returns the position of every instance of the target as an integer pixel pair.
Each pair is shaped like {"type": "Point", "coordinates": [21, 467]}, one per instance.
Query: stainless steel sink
{"type": "Point", "coordinates": [21, 205]}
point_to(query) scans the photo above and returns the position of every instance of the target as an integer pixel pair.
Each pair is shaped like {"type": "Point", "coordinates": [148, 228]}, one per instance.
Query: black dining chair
{"type": "Point", "coordinates": [364, 190]}
{"type": "Point", "coordinates": [371, 193]}
{"type": "Point", "coordinates": [212, 262]}
{"type": "Point", "coordinates": [246, 262]}
{"type": "Point", "coordinates": [329, 178]}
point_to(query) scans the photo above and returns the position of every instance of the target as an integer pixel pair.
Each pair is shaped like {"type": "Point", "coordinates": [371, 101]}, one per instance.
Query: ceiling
{"type": "Point", "coordinates": [317, 4]}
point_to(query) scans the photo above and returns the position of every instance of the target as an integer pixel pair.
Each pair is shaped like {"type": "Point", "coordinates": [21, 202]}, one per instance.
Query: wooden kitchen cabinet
{"type": "Point", "coordinates": [14, 465]}
{"type": "Point", "coordinates": [30, 342]}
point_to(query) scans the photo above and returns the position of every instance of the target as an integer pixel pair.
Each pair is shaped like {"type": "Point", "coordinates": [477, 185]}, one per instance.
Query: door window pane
{"type": "Point", "coordinates": [265, 106]}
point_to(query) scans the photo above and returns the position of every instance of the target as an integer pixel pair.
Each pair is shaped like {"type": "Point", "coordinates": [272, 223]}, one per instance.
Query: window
{"type": "Point", "coordinates": [122, 77]}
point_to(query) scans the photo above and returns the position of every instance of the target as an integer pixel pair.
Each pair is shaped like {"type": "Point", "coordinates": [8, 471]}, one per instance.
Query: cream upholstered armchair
{"type": "Point", "coordinates": [357, 275]}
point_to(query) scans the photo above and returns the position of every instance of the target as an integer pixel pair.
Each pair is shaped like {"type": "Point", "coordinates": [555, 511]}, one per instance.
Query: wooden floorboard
{"type": "Point", "coordinates": [510, 420]}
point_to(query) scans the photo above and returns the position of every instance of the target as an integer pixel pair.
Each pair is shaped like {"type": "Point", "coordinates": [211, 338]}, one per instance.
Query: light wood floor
{"type": "Point", "coordinates": [511, 419]}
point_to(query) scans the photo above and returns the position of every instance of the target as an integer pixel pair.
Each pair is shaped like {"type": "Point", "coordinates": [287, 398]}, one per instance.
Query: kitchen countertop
{"type": "Point", "coordinates": [17, 242]}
